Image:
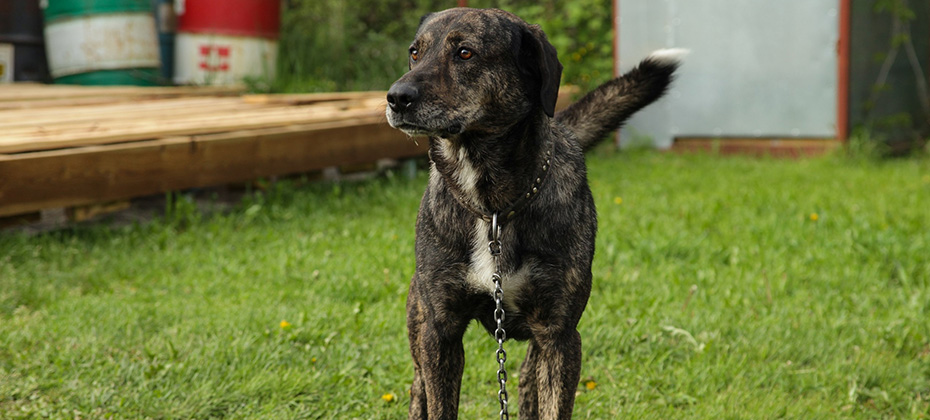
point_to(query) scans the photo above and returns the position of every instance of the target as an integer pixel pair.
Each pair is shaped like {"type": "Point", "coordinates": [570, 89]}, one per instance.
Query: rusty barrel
{"type": "Point", "coordinates": [102, 42]}
{"type": "Point", "coordinates": [225, 41]}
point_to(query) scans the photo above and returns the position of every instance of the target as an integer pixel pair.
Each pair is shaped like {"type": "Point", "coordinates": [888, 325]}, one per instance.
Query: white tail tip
{"type": "Point", "coordinates": [669, 55]}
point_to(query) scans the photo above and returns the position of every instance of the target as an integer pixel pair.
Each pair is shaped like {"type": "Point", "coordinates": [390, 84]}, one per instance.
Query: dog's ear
{"type": "Point", "coordinates": [424, 19]}
{"type": "Point", "coordinates": [539, 60]}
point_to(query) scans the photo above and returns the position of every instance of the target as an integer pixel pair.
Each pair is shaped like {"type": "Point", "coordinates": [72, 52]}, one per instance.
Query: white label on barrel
{"type": "Point", "coordinates": [101, 42]}
{"type": "Point", "coordinates": [6, 63]}
{"type": "Point", "coordinates": [222, 60]}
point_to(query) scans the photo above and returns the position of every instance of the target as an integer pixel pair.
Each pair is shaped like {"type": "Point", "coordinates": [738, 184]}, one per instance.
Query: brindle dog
{"type": "Point", "coordinates": [482, 86]}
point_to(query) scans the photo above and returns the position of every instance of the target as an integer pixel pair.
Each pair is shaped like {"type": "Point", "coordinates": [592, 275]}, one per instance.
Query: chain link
{"type": "Point", "coordinates": [494, 246]}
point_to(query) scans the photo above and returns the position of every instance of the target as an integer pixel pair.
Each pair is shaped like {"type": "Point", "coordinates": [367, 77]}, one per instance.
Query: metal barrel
{"type": "Point", "coordinates": [225, 41]}
{"type": "Point", "coordinates": [167, 21]}
{"type": "Point", "coordinates": [22, 48]}
{"type": "Point", "coordinates": [102, 42]}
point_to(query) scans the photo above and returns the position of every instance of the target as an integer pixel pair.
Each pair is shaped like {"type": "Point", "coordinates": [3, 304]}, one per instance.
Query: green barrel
{"type": "Point", "coordinates": [102, 42]}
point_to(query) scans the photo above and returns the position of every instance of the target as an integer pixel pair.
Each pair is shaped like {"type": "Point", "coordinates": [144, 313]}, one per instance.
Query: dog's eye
{"type": "Point", "coordinates": [414, 54]}
{"type": "Point", "coordinates": [465, 53]}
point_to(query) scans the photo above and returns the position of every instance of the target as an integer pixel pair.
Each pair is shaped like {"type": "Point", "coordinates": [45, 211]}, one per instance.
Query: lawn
{"type": "Point", "coordinates": [724, 288]}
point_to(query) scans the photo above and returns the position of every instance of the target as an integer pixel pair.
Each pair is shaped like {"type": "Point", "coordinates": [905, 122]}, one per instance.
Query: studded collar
{"type": "Point", "coordinates": [514, 208]}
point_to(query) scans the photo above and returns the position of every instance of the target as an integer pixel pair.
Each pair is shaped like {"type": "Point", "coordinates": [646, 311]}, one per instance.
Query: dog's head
{"type": "Point", "coordinates": [478, 70]}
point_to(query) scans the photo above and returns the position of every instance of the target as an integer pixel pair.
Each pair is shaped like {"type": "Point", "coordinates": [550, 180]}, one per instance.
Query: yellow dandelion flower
{"type": "Point", "coordinates": [388, 397]}
{"type": "Point", "coordinates": [284, 324]}
{"type": "Point", "coordinates": [313, 360]}
{"type": "Point", "coordinates": [618, 201]}
{"type": "Point", "coordinates": [814, 217]}
{"type": "Point", "coordinates": [590, 385]}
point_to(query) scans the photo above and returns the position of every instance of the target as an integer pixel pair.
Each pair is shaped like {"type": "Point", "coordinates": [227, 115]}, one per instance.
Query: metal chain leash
{"type": "Point", "coordinates": [494, 246]}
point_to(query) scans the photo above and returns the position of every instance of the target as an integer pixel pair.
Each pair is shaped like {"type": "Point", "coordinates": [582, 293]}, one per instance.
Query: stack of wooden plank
{"type": "Point", "coordinates": [63, 146]}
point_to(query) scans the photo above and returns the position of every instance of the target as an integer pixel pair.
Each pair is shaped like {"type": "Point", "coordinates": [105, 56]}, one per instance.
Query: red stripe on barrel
{"type": "Point", "coordinates": [251, 18]}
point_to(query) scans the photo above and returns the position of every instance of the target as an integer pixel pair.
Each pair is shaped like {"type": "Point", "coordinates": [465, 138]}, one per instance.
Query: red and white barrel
{"type": "Point", "coordinates": [221, 42]}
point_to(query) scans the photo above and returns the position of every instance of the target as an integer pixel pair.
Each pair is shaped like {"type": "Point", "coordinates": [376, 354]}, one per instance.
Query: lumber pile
{"type": "Point", "coordinates": [63, 146]}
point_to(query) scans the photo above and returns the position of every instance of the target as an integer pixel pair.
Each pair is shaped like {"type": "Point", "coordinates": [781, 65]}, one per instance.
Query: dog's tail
{"type": "Point", "coordinates": [607, 107]}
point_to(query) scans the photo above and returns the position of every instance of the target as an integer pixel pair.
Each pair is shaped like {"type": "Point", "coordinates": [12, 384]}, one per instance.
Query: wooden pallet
{"type": "Point", "coordinates": [63, 146]}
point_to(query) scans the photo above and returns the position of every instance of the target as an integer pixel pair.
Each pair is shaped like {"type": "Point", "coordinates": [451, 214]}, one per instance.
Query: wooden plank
{"type": "Point", "coordinates": [89, 133]}
{"type": "Point", "coordinates": [93, 174]}
{"type": "Point", "coordinates": [310, 98]}
{"type": "Point", "coordinates": [87, 212]}
{"type": "Point", "coordinates": [137, 129]}
{"type": "Point", "coordinates": [148, 109]}
{"type": "Point", "coordinates": [26, 121]}
{"type": "Point", "coordinates": [19, 92]}
{"type": "Point", "coordinates": [45, 96]}
{"type": "Point", "coordinates": [775, 147]}
{"type": "Point", "coordinates": [60, 102]}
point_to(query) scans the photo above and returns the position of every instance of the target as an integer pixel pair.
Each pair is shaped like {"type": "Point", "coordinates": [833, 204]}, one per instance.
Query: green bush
{"type": "Point", "coordinates": [581, 31]}
{"type": "Point", "coordinates": [329, 45]}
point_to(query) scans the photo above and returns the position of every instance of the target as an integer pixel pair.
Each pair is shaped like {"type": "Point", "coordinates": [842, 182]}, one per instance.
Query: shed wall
{"type": "Point", "coordinates": [756, 68]}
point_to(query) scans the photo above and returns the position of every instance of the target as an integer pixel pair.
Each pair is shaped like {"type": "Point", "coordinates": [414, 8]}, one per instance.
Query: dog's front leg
{"type": "Point", "coordinates": [439, 358]}
{"type": "Point", "coordinates": [439, 373]}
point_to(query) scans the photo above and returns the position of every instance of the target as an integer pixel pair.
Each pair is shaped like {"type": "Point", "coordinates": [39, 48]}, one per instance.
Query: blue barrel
{"type": "Point", "coordinates": [167, 22]}
{"type": "Point", "coordinates": [22, 48]}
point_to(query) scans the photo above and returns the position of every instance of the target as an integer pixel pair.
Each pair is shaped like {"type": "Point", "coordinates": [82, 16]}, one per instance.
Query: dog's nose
{"type": "Point", "coordinates": [401, 96]}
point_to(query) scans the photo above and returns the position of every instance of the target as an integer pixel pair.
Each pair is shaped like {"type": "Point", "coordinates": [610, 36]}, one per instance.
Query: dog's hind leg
{"type": "Point", "coordinates": [529, 392]}
{"type": "Point", "coordinates": [558, 369]}
{"type": "Point", "coordinates": [417, 408]}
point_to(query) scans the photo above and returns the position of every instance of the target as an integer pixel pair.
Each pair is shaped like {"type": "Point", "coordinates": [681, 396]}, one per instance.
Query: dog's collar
{"type": "Point", "coordinates": [510, 211]}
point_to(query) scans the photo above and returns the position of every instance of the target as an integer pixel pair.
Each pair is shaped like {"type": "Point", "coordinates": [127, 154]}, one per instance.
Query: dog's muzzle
{"type": "Point", "coordinates": [402, 100]}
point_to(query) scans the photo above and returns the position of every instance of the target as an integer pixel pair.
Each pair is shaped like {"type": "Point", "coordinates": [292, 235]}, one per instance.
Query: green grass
{"type": "Point", "coordinates": [717, 296]}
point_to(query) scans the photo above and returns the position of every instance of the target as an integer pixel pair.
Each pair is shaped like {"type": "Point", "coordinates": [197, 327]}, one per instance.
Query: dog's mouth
{"type": "Point", "coordinates": [413, 123]}
{"type": "Point", "coordinates": [412, 129]}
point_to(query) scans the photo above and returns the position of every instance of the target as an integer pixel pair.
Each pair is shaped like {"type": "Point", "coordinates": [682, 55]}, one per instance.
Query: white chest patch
{"type": "Point", "coordinates": [482, 268]}
{"type": "Point", "coordinates": [465, 175]}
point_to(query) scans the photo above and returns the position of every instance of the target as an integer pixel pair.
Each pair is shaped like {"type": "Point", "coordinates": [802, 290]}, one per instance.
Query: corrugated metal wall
{"type": "Point", "coordinates": [756, 69]}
